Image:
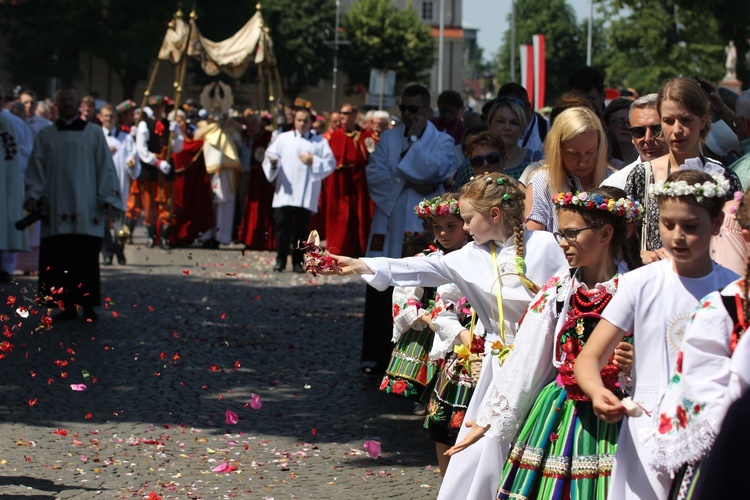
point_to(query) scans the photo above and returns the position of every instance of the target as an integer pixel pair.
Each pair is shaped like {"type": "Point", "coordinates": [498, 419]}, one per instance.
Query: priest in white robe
{"type": "Point", "coordinates": [72, 178]}
{"type": "Point", "coordinates": [410, 163]}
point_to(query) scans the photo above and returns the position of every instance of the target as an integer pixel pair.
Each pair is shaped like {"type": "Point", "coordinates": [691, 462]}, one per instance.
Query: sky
{"type": "Point", "coordinates": [490, 16]}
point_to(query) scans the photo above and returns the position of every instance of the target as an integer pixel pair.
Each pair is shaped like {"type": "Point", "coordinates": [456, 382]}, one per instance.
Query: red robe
{"type": "Point", "coordinates": [256, 228]}
{"type": "Point", "coordinates": [348, 209]}
{"type": "Point", "coordinates": [193, 203]}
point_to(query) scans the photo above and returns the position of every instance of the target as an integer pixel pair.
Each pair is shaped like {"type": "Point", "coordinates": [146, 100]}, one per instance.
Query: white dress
{"type": "Point", "coordinates": [475, 472]}
{"type": "Point", "coordinates": [693, 408]}
{"type": "Point", "coordinates": [655, 304]}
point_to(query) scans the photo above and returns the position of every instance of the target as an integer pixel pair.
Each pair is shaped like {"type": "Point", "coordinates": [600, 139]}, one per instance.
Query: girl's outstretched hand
{"type": "Point", "coordinates": [607, 406]}
{"type": "Point", "coordinates": [346, 265]}
{"type": "Point", "coordinates": [623, 358]}
{"type": "Point", "coordinates": [474, 435]}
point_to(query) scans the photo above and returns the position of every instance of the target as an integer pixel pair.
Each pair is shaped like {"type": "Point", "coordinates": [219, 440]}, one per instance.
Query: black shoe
{"type": "Point", "coordinates": [5, 277]}
{"type": "Point", "coordinates": [108, 260]}
{"type": "Point", "coordinates": [65, 315]}
{"type": "Point", "coordinates": [212, 244]}
{"type": "Point", "coordinates": [278, 267]}
{"type": "Point", "coordinates": [150, 242]}
{"type": "Point", "coordinates": [164, 244]}
{"type": "Point", "coordinates": [299, 268]}
{"type": "Point", "coordinates": [89, 315]}
{"type": "Point", "coordinates": [121, 260]}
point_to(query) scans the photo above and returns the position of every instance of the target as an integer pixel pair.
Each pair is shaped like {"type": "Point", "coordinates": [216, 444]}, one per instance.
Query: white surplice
{"type": "Point", "coordinates": [430, 160]}
{"type": "Point", "coordinates": [656, 304]}
{"type": "Point", "coordinates": [12, 189]}
{"type": "Point", "coordinates": [122, 147]}
{"type": "Point", "coordinates": [475, 472]}
{"type": "Point", "coordinates": [297, 184]}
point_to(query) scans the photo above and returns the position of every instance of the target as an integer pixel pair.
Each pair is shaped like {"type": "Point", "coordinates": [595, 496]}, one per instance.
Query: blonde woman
{"type": "Point", "coordinates": [576, 159]}
{"type": "Point", "coordinates": [508, 121]}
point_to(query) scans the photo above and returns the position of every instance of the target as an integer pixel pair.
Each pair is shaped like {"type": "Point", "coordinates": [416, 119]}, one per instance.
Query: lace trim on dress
{"type": "Point", "coordinates": [500, 416]}
{"type": "Point", "coordinates": [692, 444]}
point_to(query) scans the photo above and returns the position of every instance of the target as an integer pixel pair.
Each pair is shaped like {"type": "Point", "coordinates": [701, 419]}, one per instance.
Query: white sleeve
{"type": "Point", "coordinates": [383, 182]}
{"type": "Point", "coordinates": [130, 153]}
{"type": "Point", "coordinates": [446, 322]}
{"type": "Point", "coordinates": [323, 161]}
{"type": "Point", "coordinates": [272, 152]}
{"type": "Point", "coordinates": [691, 411]}
{"type": "Point", "coordinates": [141, 144]}
{"type": "Point", "coordinates": [409, 271]}
{"type": "Point", "coordinates": [407, 308]}
{"type": "Point", "coordinates": [527, 369]}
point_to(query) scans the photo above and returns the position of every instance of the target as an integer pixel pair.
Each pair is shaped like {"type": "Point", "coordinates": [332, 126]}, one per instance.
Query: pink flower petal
{"type": "Point", "coordinates": [220, 468]}
{"type": "Point", "coordinates": [255, 403]}
{"type": "Point", "coordinates": [78, 387]}
{"type": "Point", "coordinates": [232, 417]}
{"type": "Point", "coordinates": [372, 448]}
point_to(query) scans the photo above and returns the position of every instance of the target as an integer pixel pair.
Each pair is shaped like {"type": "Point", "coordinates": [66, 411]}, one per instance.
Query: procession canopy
{"type": "Point", "coordinates": [232, 56]}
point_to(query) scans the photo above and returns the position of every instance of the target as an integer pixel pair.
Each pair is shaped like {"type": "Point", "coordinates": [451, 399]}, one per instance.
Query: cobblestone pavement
{"type": "Point", "coordinates": [186, 336]}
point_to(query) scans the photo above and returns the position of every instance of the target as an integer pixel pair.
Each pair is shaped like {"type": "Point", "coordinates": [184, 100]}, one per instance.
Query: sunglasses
{"type": "Point", "coordinates": [411, 108]}
{"type": "Point", "coordinates": [571, 235]}
{"type": "Point", "coordinates": [347, 112]}
{"type": "Point", "coordinates": [640, 132]}
{"type": "Point", "coordinates": [491, 159]}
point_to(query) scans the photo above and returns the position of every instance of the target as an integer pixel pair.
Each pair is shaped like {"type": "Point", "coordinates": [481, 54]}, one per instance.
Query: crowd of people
{"type": "Point", "coordinates": [563, 292]}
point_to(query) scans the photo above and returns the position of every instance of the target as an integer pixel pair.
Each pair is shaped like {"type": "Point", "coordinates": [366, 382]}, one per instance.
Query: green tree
{"type": "Point", "coordinates": [565, 42]}
{"type": "Point", "coordinates": [650, 42]}
{"type": "Point", "coordinates": [382, 36]}
{"type": "Point", "coordinates": [299, 30]}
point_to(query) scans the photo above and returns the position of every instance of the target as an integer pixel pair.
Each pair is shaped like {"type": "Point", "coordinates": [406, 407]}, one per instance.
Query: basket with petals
{"type": "Point", "coordinates": [316, 259]}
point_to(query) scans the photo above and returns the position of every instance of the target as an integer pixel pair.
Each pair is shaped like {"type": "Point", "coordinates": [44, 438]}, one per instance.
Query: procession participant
{"type": "Point", "coordinates": [125, 158]}
{"type": "Point", "coordinates": [334, 123]}
{"type": "Point", "coordinates": [11, 170]}
{"type": "Point", "coordinates": [152, 136]}
{"type": "Point", "coordinates": [347, 210]}
{"type": "Point", "coordinates": [411, 162]}
{"type": "Point", "coordinates": [29, 100]}
{"type": "Point", "coordinates": [221, 143]}
{"type": "Point", "coordinates": [450, 105]}
{"type": "Point", "coordinates": [256, 227]}
{"type": "Point", "coordinates": [88, 110]}
{"type": "Point", "coordinates": [126, 115]}
{"type": "Point", "coordinates": [72, 177]}
{"type": "Point", "coordinates": [537, 126]}
{"type": "Point", "coordinates": [297, 162]}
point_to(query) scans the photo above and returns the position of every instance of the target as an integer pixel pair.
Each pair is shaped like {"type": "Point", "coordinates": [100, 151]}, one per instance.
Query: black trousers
{"type": "Point", "coordinates": [112, 245]}
{"type": "Point", "coordinates": [378, 327]}
{"type": "Point", "coordinates": [291, 226]}
{"type": "Point", "coordinates": [69, 270]}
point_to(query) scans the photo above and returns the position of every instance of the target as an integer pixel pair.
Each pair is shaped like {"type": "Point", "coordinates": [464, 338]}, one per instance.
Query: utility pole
{"type": "Point", "coordinates": [441, 33]}
{"type": "Point", "coordinates": [589, 42]}
{"type": "Point", "coordinates": [513, 40]}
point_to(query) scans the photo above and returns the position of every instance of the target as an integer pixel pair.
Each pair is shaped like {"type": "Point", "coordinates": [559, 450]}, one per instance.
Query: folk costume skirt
{"type": "Point", "coordinates": [562, 451]}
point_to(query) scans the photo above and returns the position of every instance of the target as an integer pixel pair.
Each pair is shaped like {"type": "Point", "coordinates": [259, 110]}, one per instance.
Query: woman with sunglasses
{"type": "Point", "coordinates": [683, 110]}
{"type": "Point", "coordinates": [507, 120]}
{"type": "Point", "coordinates": [485, 153]}
{"type": "Point", "coordinates": [576, 160]}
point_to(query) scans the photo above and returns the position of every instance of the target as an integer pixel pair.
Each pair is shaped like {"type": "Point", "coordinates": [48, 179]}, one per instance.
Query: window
{"type": "Point", "coordinates": [428, 8]}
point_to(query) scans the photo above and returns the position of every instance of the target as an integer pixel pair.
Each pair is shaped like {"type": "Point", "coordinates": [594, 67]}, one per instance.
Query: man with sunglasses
{"type": "Point", "coordinates": [411, 162]}
{"type": "Point", "coordinates": [645, 128]}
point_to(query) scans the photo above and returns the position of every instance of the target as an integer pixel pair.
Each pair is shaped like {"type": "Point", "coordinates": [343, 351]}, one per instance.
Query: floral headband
{"type": "Point", "coordinates": [623, 207]}
{"type": "Point", "coordinates": [718, 188]}
{"type": "Point", "coordinates": [437, 206]}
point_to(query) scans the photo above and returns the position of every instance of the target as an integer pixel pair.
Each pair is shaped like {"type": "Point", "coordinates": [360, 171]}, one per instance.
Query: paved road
{"type": "Point", "coordinates": [187, 335]}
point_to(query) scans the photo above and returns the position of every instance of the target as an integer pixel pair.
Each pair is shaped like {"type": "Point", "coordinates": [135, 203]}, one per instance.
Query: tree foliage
{"type": "Point", "coordinates": [382, 36]}
{"type": "Point", "coordinates": [650, 42]}
{"type": "Point", "coordinates": [565, 42]}
{"type": "Point", "coordinates": [299, 29]}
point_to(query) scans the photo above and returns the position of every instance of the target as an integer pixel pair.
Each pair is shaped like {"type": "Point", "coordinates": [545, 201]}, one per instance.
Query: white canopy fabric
{"type": "Point", "coordinates": [232, 56]}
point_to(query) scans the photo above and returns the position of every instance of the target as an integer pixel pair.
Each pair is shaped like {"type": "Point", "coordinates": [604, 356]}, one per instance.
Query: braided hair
{"type": "Point", "coordinates": [498, 190]}
{"type": "Point", "coordinates": [743, 218]}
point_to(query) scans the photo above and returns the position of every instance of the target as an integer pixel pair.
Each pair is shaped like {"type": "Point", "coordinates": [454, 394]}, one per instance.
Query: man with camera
{"type": "Point", "coordinates": [71, 168]}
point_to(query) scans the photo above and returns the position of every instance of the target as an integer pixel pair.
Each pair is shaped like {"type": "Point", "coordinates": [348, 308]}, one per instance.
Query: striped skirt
{"type": "Point", "coordinates": [448, 401]}
{"type": "Point", "coordinates": [410, 369]}
{"type": "Point", "coordinates": [562, 451]}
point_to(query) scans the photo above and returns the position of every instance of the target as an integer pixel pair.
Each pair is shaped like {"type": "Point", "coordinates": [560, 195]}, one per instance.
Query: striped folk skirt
{"type": "Point", "coordinates": [562, 451]}
{"type": "Point", "coordinates": [410, 369]}
{"type": "Point", "coordinates": [448, 401]}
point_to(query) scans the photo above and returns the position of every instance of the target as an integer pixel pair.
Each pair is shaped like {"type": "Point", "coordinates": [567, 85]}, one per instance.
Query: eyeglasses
{"type": "Point", "coordinates": [508, 98]}
{"type": "Point", "coordinates": [411, 108]}
{"type": "Point", "coordinates": [620, 122]}
{"type": "Point", "coordinates": [347, 112]}
{"type": "Point", "coordinates": [640, 132]}
{"type": "Point", "coordinates": [491, 159]}
{"type": "Point", "coordinates": [571, 235]}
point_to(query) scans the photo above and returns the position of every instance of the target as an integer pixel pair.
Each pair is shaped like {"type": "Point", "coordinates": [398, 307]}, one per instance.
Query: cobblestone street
{"type": "Point", "coordinates": [140, 404]}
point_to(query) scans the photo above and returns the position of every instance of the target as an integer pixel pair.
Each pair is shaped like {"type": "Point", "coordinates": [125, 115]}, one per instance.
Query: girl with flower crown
{"type": "Point", "coordinates": [710, 374]}
{"type": "Point", "coordinates": [497, 272]}
{"type": "Point", "coordinates": [414, 307]}
{"type": "Point", "coordinates": [655, 302]}
{"type": "Point", "coordinates": [561, 449]}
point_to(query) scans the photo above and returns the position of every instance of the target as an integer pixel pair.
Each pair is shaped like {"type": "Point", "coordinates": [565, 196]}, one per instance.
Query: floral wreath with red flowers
{"type": "Point", "coordinates": [437, 207]}
{"type": "Point", "coordinates": [629, 208]}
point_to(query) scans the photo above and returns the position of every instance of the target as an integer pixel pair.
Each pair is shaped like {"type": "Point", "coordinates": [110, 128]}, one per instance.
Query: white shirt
{"type": "Point", "coordinates": [297, 184]}
{"type": "Point", "coordinates": [141, 143]}
{"type": "Point", "coordinates": [619, 178]}
{"type": "Point", "coordinates": [122, 147]}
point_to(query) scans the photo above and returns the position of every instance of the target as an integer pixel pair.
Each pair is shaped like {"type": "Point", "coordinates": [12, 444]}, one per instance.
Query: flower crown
{"type": "Point", "coordinates": [718, 188]}
{"type": "Point", "coordinates": [437, 206]}
{"type": "Point", "coordinates": [623, 207]}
